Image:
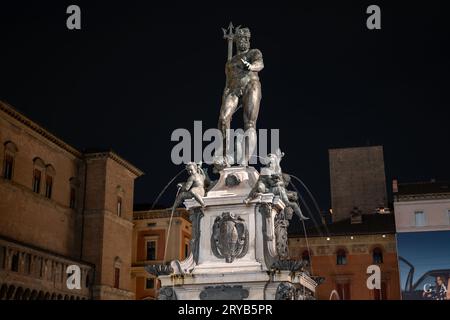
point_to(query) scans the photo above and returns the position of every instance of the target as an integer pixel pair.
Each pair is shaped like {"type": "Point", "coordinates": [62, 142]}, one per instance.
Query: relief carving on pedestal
{"type": "Point", "coordinates": [229, 237]}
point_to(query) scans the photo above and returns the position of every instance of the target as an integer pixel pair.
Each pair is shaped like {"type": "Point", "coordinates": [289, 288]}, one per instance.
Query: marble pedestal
{"type": "Point", "coordinates": [234, 246]}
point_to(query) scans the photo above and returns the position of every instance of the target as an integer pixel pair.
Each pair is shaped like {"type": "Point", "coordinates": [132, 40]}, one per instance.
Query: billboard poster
{"type": "Point", "coordinates": [424, 264]}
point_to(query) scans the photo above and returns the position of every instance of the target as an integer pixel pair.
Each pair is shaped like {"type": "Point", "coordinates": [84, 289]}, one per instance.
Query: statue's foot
{"type": "Point", "coordinates": [302, 217]}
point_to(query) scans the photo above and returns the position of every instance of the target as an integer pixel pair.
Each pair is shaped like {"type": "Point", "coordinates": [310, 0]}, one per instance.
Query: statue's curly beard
{"type": "Point", "coordinates": [243, 46]}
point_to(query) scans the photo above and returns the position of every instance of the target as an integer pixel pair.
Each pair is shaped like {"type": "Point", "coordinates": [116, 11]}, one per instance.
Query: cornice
{"type": "Point", "coordinates": [424, 196]}
{"type": "Point", "coordinates": [10, 111]}
{"type": "Point", "coordinates": [114, 156]}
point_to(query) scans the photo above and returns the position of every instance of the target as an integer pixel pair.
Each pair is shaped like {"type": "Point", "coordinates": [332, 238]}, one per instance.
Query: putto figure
{"type": "Point", "coordinates": [273, 180]}
{"type": "Point", "coordinates": [242, 88]}
{"type": "Point", "coordinates": [194, 187]}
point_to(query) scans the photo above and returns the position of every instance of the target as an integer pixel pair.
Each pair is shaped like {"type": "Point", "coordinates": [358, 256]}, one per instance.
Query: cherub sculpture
{"type": "Point", "coordinates": [273, 180]}
{"type": "Point", "coordinates": [194, 187]}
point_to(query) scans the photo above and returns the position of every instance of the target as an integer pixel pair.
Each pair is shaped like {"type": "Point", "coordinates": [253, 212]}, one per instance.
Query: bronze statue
{"type": "Point", "coordinates": [242, 88]}
{"type": "Point", "coordinates": [194, 187]}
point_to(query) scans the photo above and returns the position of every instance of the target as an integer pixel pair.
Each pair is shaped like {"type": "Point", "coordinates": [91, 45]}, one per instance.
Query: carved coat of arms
{"type": "Point", "coordinates": [229, 237]}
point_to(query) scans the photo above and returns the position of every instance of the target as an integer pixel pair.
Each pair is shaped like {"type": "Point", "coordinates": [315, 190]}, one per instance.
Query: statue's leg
{"type": "Point", "coordinates": [251, 102]}
{"type": "Point", "coordinates": [297, 210]}
{"type": "Point", "coordinates": [199, 199]}
{"type": "Point", "coordinates": [180, 198]}
{"type": "Point", "coordinates": [229, 104]}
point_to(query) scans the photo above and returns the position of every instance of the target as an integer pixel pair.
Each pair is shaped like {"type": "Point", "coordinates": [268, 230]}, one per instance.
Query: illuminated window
{"type": "Point", "coordinates": [419, 217]}
{"type": "Point", "coordinates": [151, 250]}
{"type": "Point", "coordinates": [150, 283]}
{"type": "Point", "coordinates": [119, 206]}
{"type": "Point", "coordinates": [36, 180]}
{"type": "Point", "coordinates": [377, 255]}
{"type": "Point", "coordinates": [341, 257]}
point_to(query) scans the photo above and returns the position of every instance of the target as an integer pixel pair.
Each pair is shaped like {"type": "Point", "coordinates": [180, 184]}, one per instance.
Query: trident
{"type": "Point", "coordinates": [230, 37]}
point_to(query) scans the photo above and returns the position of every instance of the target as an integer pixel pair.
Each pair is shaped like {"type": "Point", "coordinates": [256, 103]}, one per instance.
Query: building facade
{"type": "Point", "coordinates": [157, 240]}
{"type": "Point", "coordinates": [422, 206]}
{"type": "Point", "coordinates": [357, 179]}
{"type": "Point", "coordinates": [342, 252]}
{"type": "Point", "coordinates": [61, 207]}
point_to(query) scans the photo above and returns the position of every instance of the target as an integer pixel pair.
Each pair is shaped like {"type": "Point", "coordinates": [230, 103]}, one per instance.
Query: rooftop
{"type": "Point", "coordinates": [370, 224]}
{"type": "Point", "coordinates": [425, 187]}
{"type": "Point", "coordinates": [40, 130]}
{"type": "Point", "coordinates": [144, 211]}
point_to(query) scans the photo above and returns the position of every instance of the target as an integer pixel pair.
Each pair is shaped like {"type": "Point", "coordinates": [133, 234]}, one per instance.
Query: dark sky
{"type": "Point", "coordinates": [137, 71]}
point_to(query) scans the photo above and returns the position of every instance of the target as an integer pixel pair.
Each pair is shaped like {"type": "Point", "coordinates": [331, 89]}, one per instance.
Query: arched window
{"type": "Point", "coordinates": [306, 256]}
{"type": "Point", "coordinates": [119, 204]}
{"type": "Point", "coordinates": [38, 168]}
{"type": "Point", "coordinates": [341, 257]}
{"type": "Point", "coordinates": [8, 161]}
{"type": "Point", "coordinates": [49, 176]}
{"type": "Point", "coordinates": [18, 294]}
{"type": "Point", "coordinates": [117, 267]}
{"type": "Point", "coordinates": [377, 255]}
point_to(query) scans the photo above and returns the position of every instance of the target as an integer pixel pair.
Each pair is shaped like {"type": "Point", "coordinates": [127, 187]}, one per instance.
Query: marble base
{"type": "Point", "coordinates": [207, 274]}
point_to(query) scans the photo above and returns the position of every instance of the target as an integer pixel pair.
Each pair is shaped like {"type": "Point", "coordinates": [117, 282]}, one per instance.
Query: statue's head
{"type": "Point", "coordinates": [274, 159]}
{"type": "Point", "coordinates": [191, 168]}
{"type": "Point", "coordinates": [242, 39]}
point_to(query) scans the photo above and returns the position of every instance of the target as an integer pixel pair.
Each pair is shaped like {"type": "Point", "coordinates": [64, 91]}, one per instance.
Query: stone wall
{"type": "Point", "coordinates": [357, 179]}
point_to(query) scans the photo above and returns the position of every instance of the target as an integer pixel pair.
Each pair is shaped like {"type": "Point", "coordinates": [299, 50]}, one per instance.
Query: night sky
{"type": "Point", "coordinates": [136, 71]}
